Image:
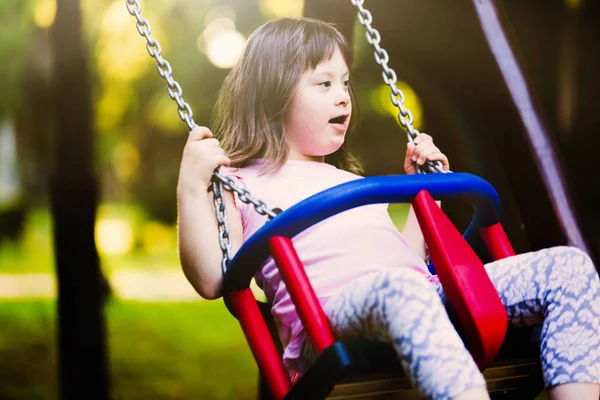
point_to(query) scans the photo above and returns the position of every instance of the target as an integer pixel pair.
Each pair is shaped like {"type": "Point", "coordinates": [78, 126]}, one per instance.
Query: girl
{"type": "Point", "coordinates": [282, 115]}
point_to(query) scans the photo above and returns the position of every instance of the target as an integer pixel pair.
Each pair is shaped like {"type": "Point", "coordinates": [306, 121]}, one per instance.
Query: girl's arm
{"type": "Point", "coordinates": [417, 153]}
{"type": "Point", "coordinates": [199, 251]}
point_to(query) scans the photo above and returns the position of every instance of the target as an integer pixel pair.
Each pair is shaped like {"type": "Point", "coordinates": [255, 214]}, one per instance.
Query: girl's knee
{"type": "Point", "coordinates": [575, 259]}
{"type": "Point", "coordinates": [571, 251]}
{"type": "Point", "coordinates": [569, 270]}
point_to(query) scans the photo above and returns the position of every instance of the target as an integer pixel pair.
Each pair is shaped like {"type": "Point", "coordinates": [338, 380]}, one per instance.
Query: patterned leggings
{"type": "Point", "coordinates": [557, 286]}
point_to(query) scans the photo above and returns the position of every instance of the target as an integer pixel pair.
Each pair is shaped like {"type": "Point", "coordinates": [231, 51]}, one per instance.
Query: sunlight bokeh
{"type": "Point", "coordinates": [282, 8]}
{"type": "Point", "coordinates": [225, 48]}
{"type": "Point", "coordinates": [44, 13]}
{"type": "Point", "coordinates": [125, 161]}
{"type": "Point", "coordinates": [163, 115]}
{"type": "Point", "coordinates": [220, 41]}
{"type": "Point", "coordinates": [114, 236]}
{"type": "Point", "coordinates": [120, 52]}
{"type": "Point", "coordinates": [220, 12]}
{"type": "Point", "coordinates": [111, 105]}
{"type": "Point", "coordinates": [157, 238]}
{"type": "Point", "coordinates": [381, 102]}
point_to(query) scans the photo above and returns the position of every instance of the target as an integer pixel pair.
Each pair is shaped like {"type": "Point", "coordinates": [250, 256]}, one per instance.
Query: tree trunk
{"type": "Point", "coordinates": [74, 196]}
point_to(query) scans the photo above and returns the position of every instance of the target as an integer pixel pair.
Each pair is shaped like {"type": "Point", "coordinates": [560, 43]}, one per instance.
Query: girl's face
{"type": "Point", "coordinates": [316, 122]}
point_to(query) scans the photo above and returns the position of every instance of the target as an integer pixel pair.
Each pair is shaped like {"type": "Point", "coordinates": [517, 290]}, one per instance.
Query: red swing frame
{"type": "Point", "coordinates": [468, 287]}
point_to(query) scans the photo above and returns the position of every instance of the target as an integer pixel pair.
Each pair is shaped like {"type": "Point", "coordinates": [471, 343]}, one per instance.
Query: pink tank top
{"type": "Point", "coordinates": [334, 252]}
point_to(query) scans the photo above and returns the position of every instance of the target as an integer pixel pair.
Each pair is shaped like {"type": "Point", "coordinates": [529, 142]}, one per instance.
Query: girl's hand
{"type": "Point", "coordinates": [201, 156]}
{"type": "Point", "coordinates": [421, 150]}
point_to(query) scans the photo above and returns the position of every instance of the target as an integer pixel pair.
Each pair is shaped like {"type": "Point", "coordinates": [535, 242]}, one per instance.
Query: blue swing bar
{"type": "Point", "coordinates": [460, 270]}
{"type": "Point", "coordinates": [371, 190]}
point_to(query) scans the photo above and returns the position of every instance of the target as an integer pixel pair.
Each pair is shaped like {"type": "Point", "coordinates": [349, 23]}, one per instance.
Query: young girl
{"type": "Point", "coordinates": [283, 115]}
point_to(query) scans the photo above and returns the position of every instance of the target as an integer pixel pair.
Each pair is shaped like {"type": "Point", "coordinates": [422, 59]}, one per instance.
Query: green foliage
{"type": "Point", "coordinates": [33, 253]}
{"type": "Point", "coordinates": [156, 351]}
{"type": "Point", "coordinates": [399, 213]}
{"type": "Point", "coordinates": [15, 35]}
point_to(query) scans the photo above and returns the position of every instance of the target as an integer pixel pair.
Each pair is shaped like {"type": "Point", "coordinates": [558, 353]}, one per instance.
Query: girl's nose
{"type": "Point", "coordinates": [343, 97]}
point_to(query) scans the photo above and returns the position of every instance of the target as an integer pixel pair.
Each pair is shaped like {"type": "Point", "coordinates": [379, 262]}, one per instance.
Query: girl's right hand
{"type": "Point", "coordinates": [201, 156]}
{"type": "Point", "coordinates": [421, 150]}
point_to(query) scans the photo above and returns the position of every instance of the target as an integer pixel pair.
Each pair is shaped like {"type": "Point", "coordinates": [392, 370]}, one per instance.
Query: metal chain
{"type": "Point", "coordinates": [405, 117]}
{"type": "Point", "coordinates": [224, 240]}
{"type": "Point", "coordinates": [164, 68]}
{"type": "Point", "coordinates": [219, 182]}
{"type": "Point", "coordinates": [245, 196]}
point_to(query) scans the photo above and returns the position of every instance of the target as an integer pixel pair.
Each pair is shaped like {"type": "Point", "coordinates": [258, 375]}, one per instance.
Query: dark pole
{"type": "Point", "coordinates": [545, 155]}
{"type": "Point", "coordinates": [74, 196]}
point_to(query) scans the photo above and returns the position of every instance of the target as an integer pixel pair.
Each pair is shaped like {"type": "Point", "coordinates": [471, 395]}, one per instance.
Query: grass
{"type": "Point", "coordinates": [27, 354]}
{"type": "Point", "coordinates": [156, 351]}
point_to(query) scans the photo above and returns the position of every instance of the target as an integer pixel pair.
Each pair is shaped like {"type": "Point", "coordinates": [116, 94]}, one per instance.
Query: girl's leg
{"type": "Point", "coordinates": [560, 287]}
{"type": "Point", "coordinates": [403, 308]}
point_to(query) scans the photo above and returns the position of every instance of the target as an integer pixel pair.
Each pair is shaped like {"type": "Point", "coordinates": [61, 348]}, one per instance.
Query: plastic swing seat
{"type": "Point", "coordinates": [365, 369]}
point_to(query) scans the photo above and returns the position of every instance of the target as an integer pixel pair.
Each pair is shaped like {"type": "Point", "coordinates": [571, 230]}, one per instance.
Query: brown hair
{"type": "Point", "coordinates": [248, 115]}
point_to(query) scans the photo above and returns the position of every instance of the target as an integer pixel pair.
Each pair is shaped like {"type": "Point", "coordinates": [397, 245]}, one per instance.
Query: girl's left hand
{"type": "Point", "coordinates": [421, 150]}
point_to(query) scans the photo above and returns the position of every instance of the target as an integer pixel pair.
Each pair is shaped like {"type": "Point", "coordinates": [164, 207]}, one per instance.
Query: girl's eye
{"type": "Point", "coordinates": [347, 83]}
{"type": "Point", "coordinates": [325, 84]}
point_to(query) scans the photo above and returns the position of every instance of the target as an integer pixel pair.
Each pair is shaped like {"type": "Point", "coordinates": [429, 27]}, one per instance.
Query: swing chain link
{"type": "Point", "coordinates": [219, 182]}
{"type": "Point", "coordinates": [405, 116]}
{"type": "Point", "coordinates": [224, 241]}
{"type": "Point", "coordinates": [164, 68]}
{"type": "Point", "coordinates": [245, 196]}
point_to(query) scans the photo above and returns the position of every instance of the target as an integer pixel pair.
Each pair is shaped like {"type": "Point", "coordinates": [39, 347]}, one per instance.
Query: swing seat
{"type": "Point", "coordinates": [363, 369]}
{"type": "Point", "coordinates": [371, 369]}
{"type": "Point", "coordinates": [376, 372]}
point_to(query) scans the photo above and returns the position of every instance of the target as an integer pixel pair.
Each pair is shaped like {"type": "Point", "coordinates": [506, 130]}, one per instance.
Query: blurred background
{"type": "Point", "coordinates": [90, 145]}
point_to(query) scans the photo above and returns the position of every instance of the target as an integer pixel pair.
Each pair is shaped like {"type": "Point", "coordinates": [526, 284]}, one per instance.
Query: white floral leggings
{"type": "Point", "coordinates": [558, 287]}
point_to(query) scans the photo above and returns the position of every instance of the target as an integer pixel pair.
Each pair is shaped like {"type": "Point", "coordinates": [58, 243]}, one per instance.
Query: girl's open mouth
{"type": "Point", "coordinates": [340, 120]}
